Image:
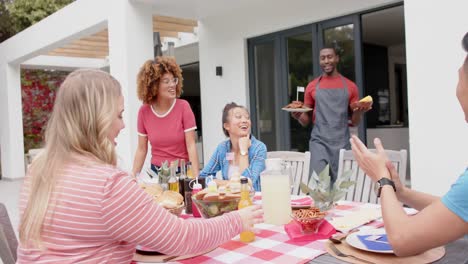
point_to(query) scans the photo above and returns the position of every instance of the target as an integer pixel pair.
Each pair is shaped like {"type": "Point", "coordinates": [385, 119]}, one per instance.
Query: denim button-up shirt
{"type": "Point", "coordinates": [218, 161]}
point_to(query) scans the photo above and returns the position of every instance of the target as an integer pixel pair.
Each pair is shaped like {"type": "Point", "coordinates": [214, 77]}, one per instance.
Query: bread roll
{"type": "Point", "coordinates": [153, 189]}
{"type": "Point", "coordinates": [170, 199]}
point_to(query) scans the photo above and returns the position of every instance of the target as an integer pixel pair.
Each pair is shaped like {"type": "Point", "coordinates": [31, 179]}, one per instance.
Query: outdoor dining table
{"type": "Point", "coordinates": [273, 245]}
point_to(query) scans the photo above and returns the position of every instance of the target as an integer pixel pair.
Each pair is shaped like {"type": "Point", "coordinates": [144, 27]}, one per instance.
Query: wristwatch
{"type": "Point", "coordinates": [380, 183]}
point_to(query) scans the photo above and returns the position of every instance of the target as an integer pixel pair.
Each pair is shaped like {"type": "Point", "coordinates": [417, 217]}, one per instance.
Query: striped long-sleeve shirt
{"type": "Point", "coordinates": [101, 214]}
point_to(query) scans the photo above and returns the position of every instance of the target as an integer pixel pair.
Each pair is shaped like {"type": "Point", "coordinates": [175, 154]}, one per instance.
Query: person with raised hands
{"type": "Point", "coordinates": [441, 219]}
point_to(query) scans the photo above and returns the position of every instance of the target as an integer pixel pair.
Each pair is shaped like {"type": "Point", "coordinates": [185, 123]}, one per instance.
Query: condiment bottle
{"type": "Point", "coordinates": [182, 177]}
{"type": "Point", "coordinates": [196, 188]}
{"type": "Point", "coordinates": [189, 170]}
{"type": "Point", "coordinates": [276, 193]}
{"type": "Point", "coordinates": [173, 181]}
{"type": "Point", "coordinates": [246, 236]}
{"type": "Point", "coordinates": [212, 186]}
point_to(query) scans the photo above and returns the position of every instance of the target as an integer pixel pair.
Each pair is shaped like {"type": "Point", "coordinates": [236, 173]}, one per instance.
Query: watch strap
{"type": "Point", "coordinates": [382, 182]}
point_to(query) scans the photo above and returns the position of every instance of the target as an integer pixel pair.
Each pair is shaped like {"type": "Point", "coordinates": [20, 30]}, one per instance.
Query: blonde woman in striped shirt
{"type": "Point", "coordinates": [78, 207]}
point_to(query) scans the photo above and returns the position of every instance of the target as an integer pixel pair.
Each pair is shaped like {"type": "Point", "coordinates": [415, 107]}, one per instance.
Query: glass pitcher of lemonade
{"type": "Point", "coordinates": [276, 192]}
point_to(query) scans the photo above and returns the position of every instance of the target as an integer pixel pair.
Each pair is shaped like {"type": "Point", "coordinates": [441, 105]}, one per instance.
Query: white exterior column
{"type": "Point", "coordinates": [130, 45]}
{"type": "Point", "coordinates": [437, 129]}
{"type": "Point", "coordinates": [12, 145]}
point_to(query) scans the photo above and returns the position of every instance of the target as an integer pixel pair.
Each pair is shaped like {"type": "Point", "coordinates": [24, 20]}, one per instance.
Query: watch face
{"type": "Point", "coordinates": [376, 187]}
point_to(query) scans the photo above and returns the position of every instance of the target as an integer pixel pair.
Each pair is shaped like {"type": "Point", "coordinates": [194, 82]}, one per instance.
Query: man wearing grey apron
{"type": "Point", "coordinates": [333, 97]}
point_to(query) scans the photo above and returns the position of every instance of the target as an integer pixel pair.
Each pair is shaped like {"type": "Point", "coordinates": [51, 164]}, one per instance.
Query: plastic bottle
{"type": "Point", "coordinates": [247, 235]}
{"type": "Point", "coordinates": [196, 188]}
{"type": "Point", "coordinates": [211, 185]}
{"type": "Point", "coordinates": [189, 170]}
{"type": "Point", "coordinates": [276, 193]}
{"type": "Point", "coordinates": [173, 181]}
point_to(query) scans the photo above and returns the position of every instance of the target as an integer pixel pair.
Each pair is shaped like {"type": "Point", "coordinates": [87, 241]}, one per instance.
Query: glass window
{"type": "Point", "coordinates": [300, 73]}
{"type": "Point", "coordinates": [342, 39]}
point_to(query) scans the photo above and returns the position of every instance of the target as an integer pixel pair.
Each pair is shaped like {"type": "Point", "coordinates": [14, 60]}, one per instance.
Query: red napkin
{"type": "Point", "coordinates": [302, 201]}
{"type": "Point", "coordinates": [294, 231]}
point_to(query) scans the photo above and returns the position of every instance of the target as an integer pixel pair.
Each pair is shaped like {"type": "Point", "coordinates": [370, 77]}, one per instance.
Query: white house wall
{"type": "Point", "coordinates": [438, 132]}
{"type": "Point", "coordinates": [223, 42]}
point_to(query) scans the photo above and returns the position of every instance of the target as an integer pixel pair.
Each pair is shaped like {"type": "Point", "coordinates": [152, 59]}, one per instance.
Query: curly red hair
{"type": "Point", "coordinates": [150, 74]}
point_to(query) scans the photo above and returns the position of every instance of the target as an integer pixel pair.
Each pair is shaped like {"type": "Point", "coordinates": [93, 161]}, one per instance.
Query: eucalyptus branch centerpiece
{"type": "Point", "coordinates": [323, 192]}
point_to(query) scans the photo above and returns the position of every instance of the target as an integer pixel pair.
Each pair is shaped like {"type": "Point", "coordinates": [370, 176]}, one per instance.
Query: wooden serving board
{"type": "Point", "coordinates": [164, 258]}
{"type": "Point", "coordinates": [426, 257]}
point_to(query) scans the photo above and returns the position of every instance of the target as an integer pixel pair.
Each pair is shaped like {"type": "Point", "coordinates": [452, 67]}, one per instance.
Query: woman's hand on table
{"type": "Point", "coordinates": [373, 164]}
{"type": "Point", "coordinates": [251, 215]}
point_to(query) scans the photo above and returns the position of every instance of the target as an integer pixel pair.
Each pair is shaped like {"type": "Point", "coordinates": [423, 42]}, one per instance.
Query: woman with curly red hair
{"type": "Point", "coordinates": [164, 120]}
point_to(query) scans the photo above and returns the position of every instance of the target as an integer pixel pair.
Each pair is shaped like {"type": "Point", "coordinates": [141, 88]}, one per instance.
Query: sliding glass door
{"type": "Point", "coordinates": [283, 63]}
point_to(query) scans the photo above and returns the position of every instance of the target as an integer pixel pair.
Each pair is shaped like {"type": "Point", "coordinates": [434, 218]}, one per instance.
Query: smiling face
{"type": "Point", "coordinates": [117, 123]}
{"type": "Point", "coordinates": [328, 61]}
{"type": "Point", "coordinates": [462, 88]}
{"type": "Point", "coordinates": [238, 123]}
{"type": "Point", "coordinates": [167, 86]}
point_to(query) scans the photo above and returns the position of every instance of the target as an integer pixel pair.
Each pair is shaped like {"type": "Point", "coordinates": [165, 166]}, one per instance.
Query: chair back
{"type": "Point", "coordinates": [363, 190]}
{"type": "Point", "coordinates": [300, 165]}
{"type": "Point", "coordinates": [8, 241]}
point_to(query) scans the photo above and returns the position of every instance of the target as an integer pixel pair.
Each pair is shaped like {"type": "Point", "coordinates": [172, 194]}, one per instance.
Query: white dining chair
{"type": "Point", "coordinates": [363, 190]}
{"type": "Point", "coordinates": [300, 166]}
{"type": "Point", "coordinates": [8, 240]}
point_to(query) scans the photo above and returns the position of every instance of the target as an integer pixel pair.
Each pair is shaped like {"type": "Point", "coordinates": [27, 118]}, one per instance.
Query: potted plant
{"type": "Point", "coordinates": [325, 194]}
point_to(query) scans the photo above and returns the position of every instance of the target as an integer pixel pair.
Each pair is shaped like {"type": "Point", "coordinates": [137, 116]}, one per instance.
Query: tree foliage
{"type": "Point", "coordinates": [17, 15]}
{"type": "Point", "coordinates": [6, 30]}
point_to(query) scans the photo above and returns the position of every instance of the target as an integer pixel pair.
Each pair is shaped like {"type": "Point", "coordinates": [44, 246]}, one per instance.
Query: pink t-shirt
{"type": "Point", "coordinates": [166, 133]}
{"type": "Point", "coordinates": [101, 214]}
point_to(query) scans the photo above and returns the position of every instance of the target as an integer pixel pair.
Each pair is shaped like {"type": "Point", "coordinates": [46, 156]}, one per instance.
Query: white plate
{"type": "Point", "coordinates": [354, 241]}
{"type": "Point", "coordinates": [299, 110]}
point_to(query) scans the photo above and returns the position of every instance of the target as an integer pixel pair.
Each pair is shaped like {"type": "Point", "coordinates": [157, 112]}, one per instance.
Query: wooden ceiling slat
{"type": "Point", "coordinates": [96, 38]}
{"type": "Point", "coordinates": [86, 47]}
{"type": "Point", "coordinates": [91, 43]}
{"type": "Point", "coordinates": [73, 51]}
{"type": "Point", "coordinates": [97, 45]}
{"type": "Point", "coordinates": [175, 20]}
{"type": "Point", "coordinates": [77, 55]}
{"type": "Point", "coordinates": [169, 34]}
{"type": "Point", "coordinates": [163, 26]}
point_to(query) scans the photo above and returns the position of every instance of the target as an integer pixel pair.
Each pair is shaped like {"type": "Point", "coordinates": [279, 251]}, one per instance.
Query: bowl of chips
{"type": "Point", "coordinates": [309, 219]}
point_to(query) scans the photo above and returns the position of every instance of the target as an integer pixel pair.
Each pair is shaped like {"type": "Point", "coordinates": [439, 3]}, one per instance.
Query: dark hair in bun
{"type": "Point", "coordinates": [228, 107]}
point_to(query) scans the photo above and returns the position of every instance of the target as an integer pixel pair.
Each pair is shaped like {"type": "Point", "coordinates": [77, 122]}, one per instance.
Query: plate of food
{"type": "Point", "coordinates": [374, 240]}
{"type": "Point", "coordinates": [296, 106]}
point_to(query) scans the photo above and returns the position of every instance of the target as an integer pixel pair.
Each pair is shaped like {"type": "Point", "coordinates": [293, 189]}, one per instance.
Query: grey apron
{"type": "Point", "coordinates": [330, 132]}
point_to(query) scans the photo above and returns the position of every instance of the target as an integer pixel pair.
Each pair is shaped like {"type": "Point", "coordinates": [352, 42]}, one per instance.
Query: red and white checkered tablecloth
{"type": "Point", "coordinates": [272, 244]}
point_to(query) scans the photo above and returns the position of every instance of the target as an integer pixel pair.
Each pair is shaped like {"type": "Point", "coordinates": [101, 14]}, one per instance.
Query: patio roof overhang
{"type": "Point", "coordinates": [84, 34]}
{"type": "Point", "coordinates": [97, 44]}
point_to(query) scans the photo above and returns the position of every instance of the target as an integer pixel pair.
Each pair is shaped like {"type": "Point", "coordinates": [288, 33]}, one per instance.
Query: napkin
{"type": "Point", "coordinates": [304, 201]}
{"type": "Point", "coordinates": [375, 242]}
{"type": "Point", "coordinates": [295, 233]}
{"type": "Point", "coordinates": [355, 219]}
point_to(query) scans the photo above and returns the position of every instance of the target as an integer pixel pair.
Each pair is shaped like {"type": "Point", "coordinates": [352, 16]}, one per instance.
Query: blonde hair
{"type": "Point", "coordinates": [151, 73]}
{"type": "Point", "coordinates": [83, 113]}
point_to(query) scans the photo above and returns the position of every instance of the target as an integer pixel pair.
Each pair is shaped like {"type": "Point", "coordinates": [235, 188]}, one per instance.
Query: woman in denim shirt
{"type": "Point", "coordinates": [241, 149]}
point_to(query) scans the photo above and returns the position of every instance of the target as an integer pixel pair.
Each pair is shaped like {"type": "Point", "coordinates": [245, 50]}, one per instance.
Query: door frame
{"type": "Point", "coordinates": [251, 43]}
{"type": "Point", "coordinates": [354, 19]}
